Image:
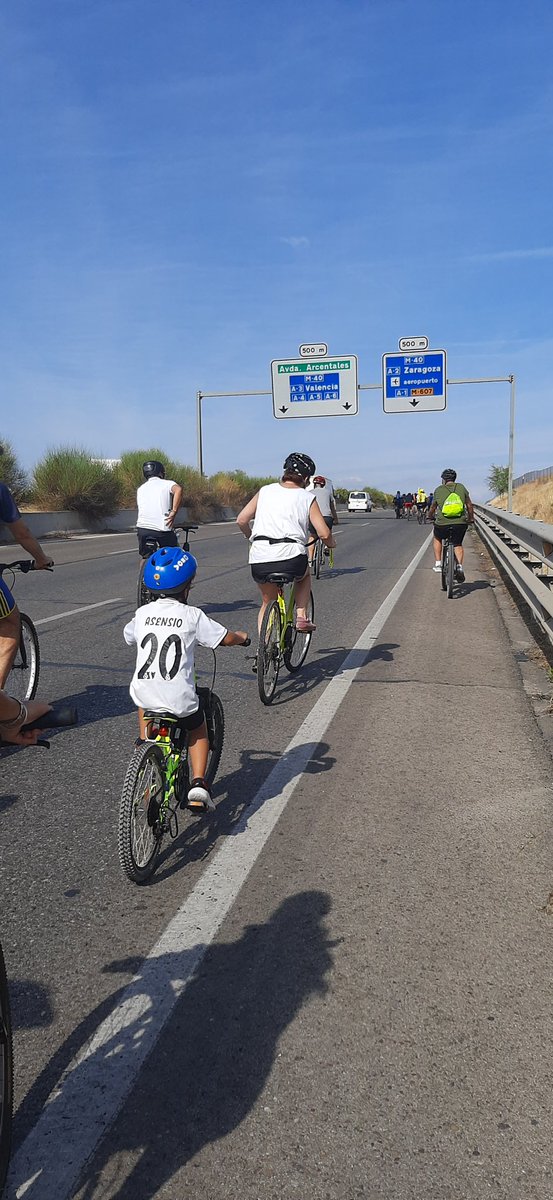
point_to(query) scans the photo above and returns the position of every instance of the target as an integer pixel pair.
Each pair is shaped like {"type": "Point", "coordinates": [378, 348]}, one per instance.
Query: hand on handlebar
{"type": "Point", "coordinates": [26, 737]}
{"type": "Point", "coordinates": [46, 564]}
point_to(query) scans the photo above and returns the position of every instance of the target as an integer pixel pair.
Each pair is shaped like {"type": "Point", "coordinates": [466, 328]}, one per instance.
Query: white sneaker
{"type": "Point", "coordinates": [199, 796]}
{"type": "Point", "coordinates": [437, 566]}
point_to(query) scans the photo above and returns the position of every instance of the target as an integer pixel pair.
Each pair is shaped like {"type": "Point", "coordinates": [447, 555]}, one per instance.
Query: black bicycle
{"type": "Point", "coordinates": [54, 719]}
{"type": "Point", "coordinates": [149, 546]}
{"type": "Point", "coordinates": [23, 678]}
{"type": "Point", "coordinates": [448, 565]}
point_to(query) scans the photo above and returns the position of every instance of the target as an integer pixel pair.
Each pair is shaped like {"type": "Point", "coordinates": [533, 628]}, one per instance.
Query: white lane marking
{"type": "Point", "coordinates": [96, 1083]}
{"type": "Point", "coordinates": [72, 612]}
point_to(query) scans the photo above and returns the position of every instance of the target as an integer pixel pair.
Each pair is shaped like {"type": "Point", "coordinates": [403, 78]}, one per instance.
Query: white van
{"type": "Point", "coordinates": [359, 502]}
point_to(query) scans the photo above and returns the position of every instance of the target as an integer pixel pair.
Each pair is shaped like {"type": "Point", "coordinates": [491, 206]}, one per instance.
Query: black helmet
{"type": "Point", "coordinates": [449, 475]}
{"type": "Point", "coordinates": [300, 464]}
{"type": "Point", "coordinates": [153, 468]}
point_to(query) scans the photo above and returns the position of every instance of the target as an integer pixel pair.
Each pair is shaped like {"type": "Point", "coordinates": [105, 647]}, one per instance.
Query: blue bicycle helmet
{"type": "Point", "coordinates": [169, 570]}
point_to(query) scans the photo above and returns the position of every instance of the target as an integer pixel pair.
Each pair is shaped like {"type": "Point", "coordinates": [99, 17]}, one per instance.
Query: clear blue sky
{"type": "Point", "coordinates": [193, 187]}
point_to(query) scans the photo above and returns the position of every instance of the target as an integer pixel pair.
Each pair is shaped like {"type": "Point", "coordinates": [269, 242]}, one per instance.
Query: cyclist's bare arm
{"type": "Point", "coordinates": [432, 511]}
{"type": "Point", "coordinates": [176, 492]}
{"type": "Point", "coordinates": [470, 508]}
{"type": "Point", "coordinates": [16, 715]}
{"type": "Point", "coordinates": [23, 535]}
{"type": "Point", "coordinates": [334, 514]}
{"type": "Point", "coordinates": [320, 526]}
{"type": "Point", "coordinates": [248, 513]}
{"type": "Point", "coordinates": [235, 638]}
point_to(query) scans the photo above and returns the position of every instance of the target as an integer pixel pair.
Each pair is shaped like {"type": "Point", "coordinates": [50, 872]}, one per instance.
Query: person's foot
{"type": "Point", "coordinates": [437, 566]}
{"type": "Point", "coordinates": [459, 573]}
{"type": "Point", "coordinates": [304, 626]}
{"type": "Point", "coordinates": [199, 796]}
{"type": "Point", "coordinates": [327, 552]}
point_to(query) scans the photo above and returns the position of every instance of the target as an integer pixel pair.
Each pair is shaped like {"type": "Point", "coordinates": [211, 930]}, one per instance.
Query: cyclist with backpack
{"type": "Point", "coordinates": [451, 510]}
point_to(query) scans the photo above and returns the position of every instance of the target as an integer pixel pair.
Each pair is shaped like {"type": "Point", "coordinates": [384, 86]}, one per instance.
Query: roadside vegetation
{"type": "Point", "coordinates": [533, 500]}
{"type": "Point", "coordinates": [71, 478]}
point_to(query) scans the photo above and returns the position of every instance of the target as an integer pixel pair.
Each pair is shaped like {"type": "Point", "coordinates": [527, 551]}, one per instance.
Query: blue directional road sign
{"type": "Point", "coordinates": [414, 382]}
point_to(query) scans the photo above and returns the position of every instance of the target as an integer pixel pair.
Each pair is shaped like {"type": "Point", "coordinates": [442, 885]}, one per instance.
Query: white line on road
{"type": "Point", "coordinates": [97, 1082]}
{"type": "Point", "coordinates": [72, 612]}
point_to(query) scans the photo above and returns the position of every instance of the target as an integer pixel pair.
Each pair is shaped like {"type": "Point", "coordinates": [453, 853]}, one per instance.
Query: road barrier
{"type": "Point", "coordinates": [524, 549]}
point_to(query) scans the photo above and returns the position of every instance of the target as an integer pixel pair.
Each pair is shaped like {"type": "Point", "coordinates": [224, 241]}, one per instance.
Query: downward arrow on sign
{"type": "Point", "coordinates": [414, 403]}
{"type": "Point", "coordinates": [283, 409]}
{"type": "Point", "coordinates": [346, 406]}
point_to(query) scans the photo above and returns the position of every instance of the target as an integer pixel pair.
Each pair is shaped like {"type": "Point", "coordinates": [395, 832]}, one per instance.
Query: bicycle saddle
{"type": "Point", "coordinates": [280, 578]}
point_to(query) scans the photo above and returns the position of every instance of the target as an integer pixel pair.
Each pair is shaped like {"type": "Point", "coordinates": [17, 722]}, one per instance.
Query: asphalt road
{"type": "Point", "coordinates": [371, 1017]}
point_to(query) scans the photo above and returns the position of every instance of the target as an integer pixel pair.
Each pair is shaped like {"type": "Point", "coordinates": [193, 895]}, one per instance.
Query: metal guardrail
{"type": "Point", "coordinates": [525, 551]}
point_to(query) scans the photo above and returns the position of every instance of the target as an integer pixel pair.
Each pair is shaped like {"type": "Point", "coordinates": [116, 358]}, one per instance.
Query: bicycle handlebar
{"type": "Point", "coordinates": [21, 564]}
{"type": "Point", "coordinates": [63, 714]}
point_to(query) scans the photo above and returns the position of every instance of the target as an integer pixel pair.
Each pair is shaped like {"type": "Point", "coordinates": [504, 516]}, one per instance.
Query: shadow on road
{"type": "Point", "coordinates": [200, 1078]}
{"type": "Point", "coordinates": [234, 794]}
{"type": "Point", "coordinates": [328, 665]}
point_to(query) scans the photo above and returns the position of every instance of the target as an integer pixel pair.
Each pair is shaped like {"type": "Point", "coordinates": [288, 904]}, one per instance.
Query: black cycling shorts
{"type": "Point", "coordinates": [294, 567]}
{"type": "Point", "coordinates": [329, 521]}
{"type": "Point", "coordinates": [442, 532]}
{"type": "Point", "coordinates": [189, 723]}
{"type": "Point", "coordinates": [163, 537]}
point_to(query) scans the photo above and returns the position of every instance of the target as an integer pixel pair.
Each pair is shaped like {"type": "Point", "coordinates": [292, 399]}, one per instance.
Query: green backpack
{"type": "Point", "coordinates": [453, 506]}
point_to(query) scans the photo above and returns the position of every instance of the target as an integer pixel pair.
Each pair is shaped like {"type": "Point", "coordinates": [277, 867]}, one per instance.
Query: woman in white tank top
{"type": "Point", "coordinates": [281, 513]}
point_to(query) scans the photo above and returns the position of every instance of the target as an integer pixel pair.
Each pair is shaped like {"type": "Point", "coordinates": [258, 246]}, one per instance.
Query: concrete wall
{"type": "Point", "coordinates": [63, 524]}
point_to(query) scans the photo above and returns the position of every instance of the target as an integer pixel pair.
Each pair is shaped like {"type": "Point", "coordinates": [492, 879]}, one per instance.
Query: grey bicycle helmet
{"type": "Point", "coordinates": [300, 464]}
{"type": "Point", "coordinates": [449, 475]}
{"type": "Point", "coordinates": [151, 468]}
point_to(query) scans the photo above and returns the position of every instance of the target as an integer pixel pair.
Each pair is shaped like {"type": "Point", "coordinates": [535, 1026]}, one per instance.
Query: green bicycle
{"type": "Point", "coordinates": [279, 640]}
{"type": "Point", "coordinates": [157, 782]}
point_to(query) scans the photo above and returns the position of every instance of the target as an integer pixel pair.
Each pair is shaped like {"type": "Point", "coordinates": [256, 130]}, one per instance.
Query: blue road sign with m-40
{"type": "Point", "coordinates": [414, 382]}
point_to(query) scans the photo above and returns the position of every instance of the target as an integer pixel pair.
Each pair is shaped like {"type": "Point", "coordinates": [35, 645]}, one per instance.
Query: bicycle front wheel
{"type": "Point", "coordinates": [215, 721]}
{"type": "Point", "coordinates": [318, 558]}
{"type": "Point", "coordinates": [268, 654]}
{"type": "Point", "coordinates": [6, 1074]}
{"type": "Point", "coordinates": [23, 677]}
{"type": "Point", "coordinates": [142, 594]}
{"type": "Point", "coordinates": [297, 643]}
{"type": "Point", "coordinates": [140, 827]}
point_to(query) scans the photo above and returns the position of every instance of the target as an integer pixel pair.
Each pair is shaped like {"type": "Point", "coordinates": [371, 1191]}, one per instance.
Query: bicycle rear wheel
{"type": "Point", "coordinates": [444, 566]}
{"type": "Point", "coordinates": [23, 677]}
{"type": "Point", "coordinates": [140, 830]}
{"type": "Point", "coordinates": [450, 571]}
{"type": "Point", "coordinates": [6, 1074]}
{"type": "Point", "coordinates": [297, 643]}
{"type": "Point", "coordinates": [268, 654]}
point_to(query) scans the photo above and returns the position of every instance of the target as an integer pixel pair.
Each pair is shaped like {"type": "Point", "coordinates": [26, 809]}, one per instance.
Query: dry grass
{"type": "Point", "coordinates": [533, 500]}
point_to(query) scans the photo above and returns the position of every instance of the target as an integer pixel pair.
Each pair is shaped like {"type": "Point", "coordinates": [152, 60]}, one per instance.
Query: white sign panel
{"type": "Point", "coordinates": [317, 351]}
{"type": "Point", "coordinates": [414, 382]}
{"type": "Point", "coordinates": [413, 343]}
{"type": "Point", "coordinates": [315, 387]}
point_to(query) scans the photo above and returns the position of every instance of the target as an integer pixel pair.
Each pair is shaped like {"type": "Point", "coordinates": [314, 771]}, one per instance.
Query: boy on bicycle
{"type": "Point", "coordinates": [165, 633]}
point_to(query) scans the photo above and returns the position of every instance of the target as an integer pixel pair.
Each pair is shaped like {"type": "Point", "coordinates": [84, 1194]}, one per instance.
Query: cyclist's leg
{"type": "Point", "coordinates": [302, 590]}
{"type": "Point", "coordinates": [199, 795]}
{"type": "Point", "coordinates": [10, 631]}
{"type": "Point", "coordinates": [330, 522]}
{"type": "Point", "coordinates": [458, 535]}
{"type": "Point", "coordinates": [437, 544]}
{"type": "Point", "coordinates": [269, 592]}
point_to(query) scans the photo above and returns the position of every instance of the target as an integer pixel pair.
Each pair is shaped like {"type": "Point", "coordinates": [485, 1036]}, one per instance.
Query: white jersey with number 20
{"type": "Point", "coordinates": [165, 633]}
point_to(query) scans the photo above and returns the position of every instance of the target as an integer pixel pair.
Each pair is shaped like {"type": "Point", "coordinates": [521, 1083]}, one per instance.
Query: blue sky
{"type": "Point", "coordinates": [194, 187]}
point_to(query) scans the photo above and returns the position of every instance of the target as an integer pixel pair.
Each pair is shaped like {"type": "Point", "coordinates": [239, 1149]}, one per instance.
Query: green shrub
{"type": "Point", "coordinates": [69, 478]}
{"type": "Point", "coordinates": [12, 474]}
{"type": "Point", "coordinates": [235, 488]}
{"type": "Point", "coordinates": [380, 498]}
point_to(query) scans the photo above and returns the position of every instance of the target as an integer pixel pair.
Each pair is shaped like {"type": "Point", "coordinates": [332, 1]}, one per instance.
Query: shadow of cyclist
{"type": "Point", "coordinates": [210, 1063]}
